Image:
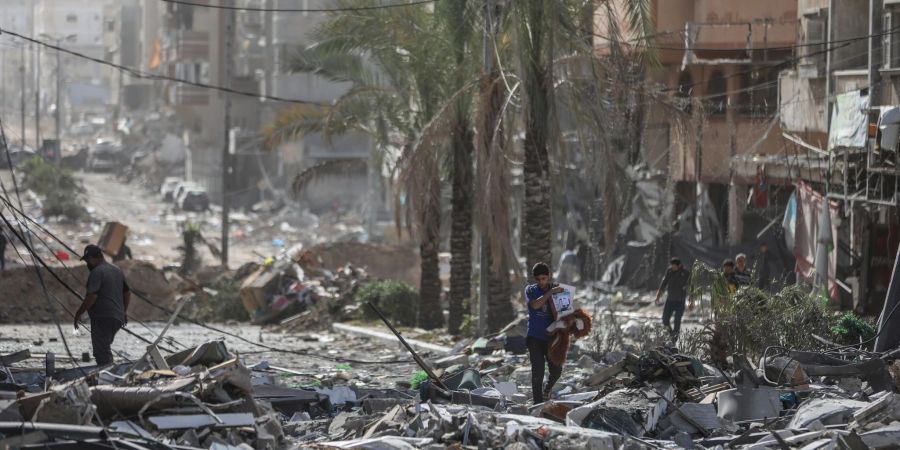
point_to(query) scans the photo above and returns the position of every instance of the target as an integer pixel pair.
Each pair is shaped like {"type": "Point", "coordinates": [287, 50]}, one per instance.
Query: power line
{"type": "Point", "coordinates": [315, 10]}
{"type": "Point", "coordinates": [149, 76]}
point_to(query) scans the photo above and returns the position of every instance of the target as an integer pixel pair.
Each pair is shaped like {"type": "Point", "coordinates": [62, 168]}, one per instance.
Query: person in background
{"type": "Point", "coordinates": [540, 315]}
{"type": "Point", "coordinates": [106, 302]}
{"type": "Point", "coordinates": [730, 279]}
{"type": "Point", "coordinates": [675, 281]}
{"type": "Point", "coordinates": [741, 271]}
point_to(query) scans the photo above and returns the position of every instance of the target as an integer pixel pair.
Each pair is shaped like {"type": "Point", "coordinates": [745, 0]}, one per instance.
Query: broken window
{"type": "Point", "coordinates": [716, 97]}
{"type": "Point", "coordinates": [816, 39]}
{"type": "Point", "coordinates": [758, 92]}
{"type": "Point", "coordinates": [890, 46]}
{"type": "Point", "coordinates": [194, 72]}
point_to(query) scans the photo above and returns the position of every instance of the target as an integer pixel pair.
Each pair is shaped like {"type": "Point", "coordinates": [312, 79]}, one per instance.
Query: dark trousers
{"type": "Point", "coordinates": [538, 353]}
{"type": "Point", "coordinates": [103, 331]}
{"type": "Point", "coordinates": [676, 307]}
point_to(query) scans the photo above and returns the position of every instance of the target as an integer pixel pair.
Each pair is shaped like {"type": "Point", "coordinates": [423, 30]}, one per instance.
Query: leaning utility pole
{"type": "Point", "coordinates": [226, 148]}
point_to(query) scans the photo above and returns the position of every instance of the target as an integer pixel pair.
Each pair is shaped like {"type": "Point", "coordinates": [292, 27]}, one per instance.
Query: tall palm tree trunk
{"type": "Point", "coordinates": [494, 196]}
{"type": "Point", "coordinates": [461, 223]}
{"type": "Point", "coordinates": [459, 29]}
{"type": "Point", "coordinates": [431, 315]}
{"type": "Point", "coordinates": [537, 84]}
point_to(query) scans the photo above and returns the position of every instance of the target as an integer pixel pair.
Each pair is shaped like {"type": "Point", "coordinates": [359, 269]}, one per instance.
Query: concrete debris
{"type": "Point", "coordinates": [825, 411]}
{"type": "Point", "coordinates": [210, 397]}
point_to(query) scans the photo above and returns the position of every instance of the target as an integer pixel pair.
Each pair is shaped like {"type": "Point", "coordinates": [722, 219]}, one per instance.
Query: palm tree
{"type": "Point", "coordinates": [536, 47]}
{"type": "Point", "coordinates": [546, 29]}
{"type": "Point", "coordinates": [456, 24]}
{"type": "Point", "coordinates": [397, 72]}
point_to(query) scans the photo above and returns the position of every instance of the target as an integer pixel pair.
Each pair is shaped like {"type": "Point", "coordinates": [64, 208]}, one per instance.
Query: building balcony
{"type": "Point", "coordinates": [185, 95]}
{"type": "Point", "coordinates": [190, 45]}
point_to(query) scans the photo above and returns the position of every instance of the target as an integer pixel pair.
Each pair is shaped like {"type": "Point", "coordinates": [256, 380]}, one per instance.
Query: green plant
{"type": "Point", "coordinates": [852, 329]}
{"type": "Point", "coordinates": [397, 300]}
{"type": "Point", "coordinates": [61, 190]}
{"type": "Point", "coordinates": [417, 379]}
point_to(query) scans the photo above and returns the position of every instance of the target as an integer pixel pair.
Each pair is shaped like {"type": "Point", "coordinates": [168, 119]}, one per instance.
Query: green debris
{"type": "Point", "coordinates": [417, 379]}
{"type": "Point", "coordinates": [344, 367]}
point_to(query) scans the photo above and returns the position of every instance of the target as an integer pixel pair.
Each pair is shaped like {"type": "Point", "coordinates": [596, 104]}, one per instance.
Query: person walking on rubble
{"type": "Point", "coordinates": [675, 282]}
{"type": "Point", "coordinates": [538, 299]}
{"type": "Point", "coordinates": [106, 302]}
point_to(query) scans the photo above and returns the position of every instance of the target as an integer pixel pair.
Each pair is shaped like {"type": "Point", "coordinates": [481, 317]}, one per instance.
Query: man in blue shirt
{"type": "Point", "coordinates": [540, 316]}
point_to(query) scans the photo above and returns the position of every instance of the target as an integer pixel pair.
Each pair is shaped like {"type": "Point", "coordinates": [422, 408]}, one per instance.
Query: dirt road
{"type": "Point", "coordinates": [154, 225]}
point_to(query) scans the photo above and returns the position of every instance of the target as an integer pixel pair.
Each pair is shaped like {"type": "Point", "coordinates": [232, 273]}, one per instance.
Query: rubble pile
{"type": "Point", "coordinates": [475, 396]}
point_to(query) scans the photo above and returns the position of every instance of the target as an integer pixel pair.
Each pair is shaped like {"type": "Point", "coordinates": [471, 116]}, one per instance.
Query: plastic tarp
{"type": "Point", "coordinates": [849, 121]}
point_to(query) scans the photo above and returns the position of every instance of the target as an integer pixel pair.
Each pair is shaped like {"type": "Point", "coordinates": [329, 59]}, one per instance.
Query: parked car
{"type": "Point", "coordinates": [104, 156]}
{"type": "Point", "coordinates": [17, 154]}
{"type": "Point", "coordinates": [167, 190]}
{"type": "Point", "coordinates": [194, 200]}
{"type": "Point", "coordinates": [180, 188]}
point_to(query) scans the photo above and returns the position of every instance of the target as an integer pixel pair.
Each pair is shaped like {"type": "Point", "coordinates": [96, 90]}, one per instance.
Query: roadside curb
{"type": "Point", "coordinates": [388, 337]}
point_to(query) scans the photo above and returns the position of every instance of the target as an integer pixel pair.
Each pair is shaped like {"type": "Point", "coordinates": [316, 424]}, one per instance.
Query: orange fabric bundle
{"type": "Point", "coordinates": [562, 337]}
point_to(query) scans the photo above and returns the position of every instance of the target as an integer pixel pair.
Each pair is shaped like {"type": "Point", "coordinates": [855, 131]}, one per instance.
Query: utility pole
{"type": "Point", "coordinates": [22, 93]}
{"type": "Point", "coordinates": [226, 149]}
{"type": "Point", "coordinates": [37, 99]}
{"type": "Point", "coordinates": [58, 156]}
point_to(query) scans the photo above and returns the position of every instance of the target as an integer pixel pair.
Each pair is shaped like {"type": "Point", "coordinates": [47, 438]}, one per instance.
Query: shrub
{"type": "Point", "coordinates": [751, 319]}
{"type": "Point", "coordinates": [61, 191]}
{"type": "Point", "coordinates": [397, 300]}
{"type": "Point", "coordinates": [852, 329]}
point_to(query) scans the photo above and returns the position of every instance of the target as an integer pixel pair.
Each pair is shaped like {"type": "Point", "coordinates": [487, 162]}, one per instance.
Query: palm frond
{"type": "Point", "coordinates": [326, 169]}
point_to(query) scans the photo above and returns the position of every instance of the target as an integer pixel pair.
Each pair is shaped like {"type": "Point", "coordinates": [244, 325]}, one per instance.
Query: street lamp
{"type": "Point", "coordinates": [58, 41]}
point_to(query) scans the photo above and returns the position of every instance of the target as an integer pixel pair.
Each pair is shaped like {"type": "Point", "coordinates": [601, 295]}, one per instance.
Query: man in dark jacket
{"type": "Point", "coordinates": [676, 283]}
{"type": "Point", "coordinates": [106, 303]}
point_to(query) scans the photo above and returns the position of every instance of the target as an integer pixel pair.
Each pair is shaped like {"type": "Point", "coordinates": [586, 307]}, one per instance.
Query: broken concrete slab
{"type": "Point", "coordinates": [828, 411]}
{"type": "Point", "coordinates": [604, 374]}
{"type": "Point", "coordinates": [567, 437]}
{"type": "Point", "coordinates": [700, 414]}
{"type": "Point", "coordinates": [749, 403]}
{"type": "Point", "coordinates": [185, 421]}
{"type": "Point", "coordinates": [884, 409]}
{"type": "Point", "coordinates": [638, 410]}
{"type": "Point", "coordinates": [885, 437]}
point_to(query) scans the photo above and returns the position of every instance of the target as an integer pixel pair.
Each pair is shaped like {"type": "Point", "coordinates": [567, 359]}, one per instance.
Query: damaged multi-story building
{"type": "Point", "coordinates": [788, 115]}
